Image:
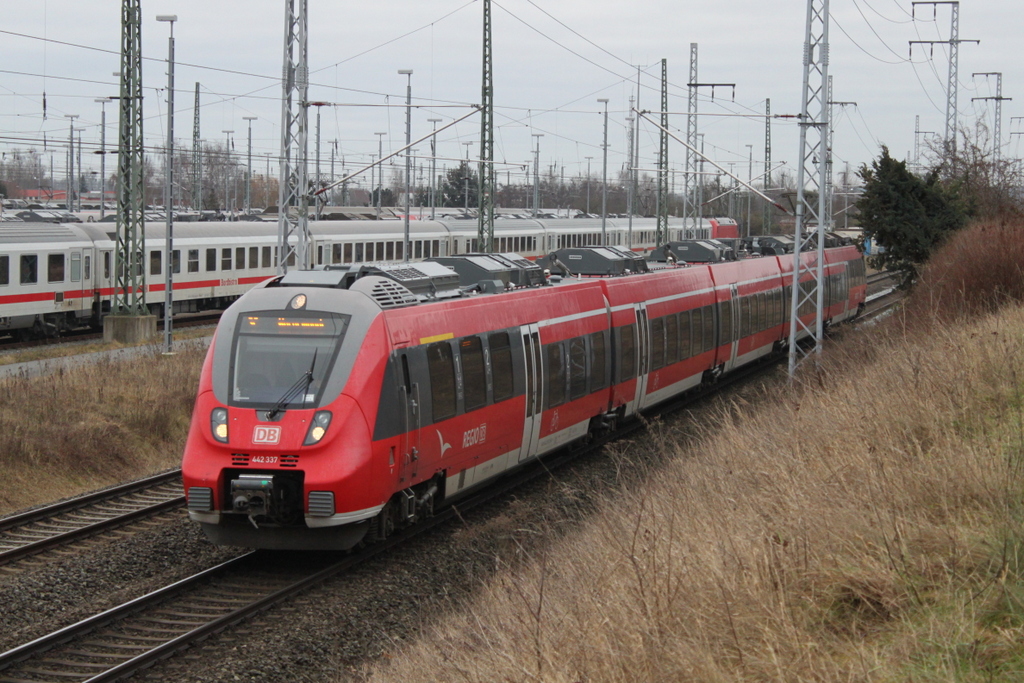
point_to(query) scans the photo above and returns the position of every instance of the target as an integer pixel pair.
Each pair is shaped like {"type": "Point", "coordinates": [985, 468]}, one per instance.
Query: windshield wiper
{"type": "Point", "coordinates": [301, 386]}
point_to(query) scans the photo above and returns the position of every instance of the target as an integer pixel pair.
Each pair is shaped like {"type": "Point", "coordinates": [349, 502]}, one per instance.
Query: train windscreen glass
{"type": "Point", "coordinates": [283, 358]}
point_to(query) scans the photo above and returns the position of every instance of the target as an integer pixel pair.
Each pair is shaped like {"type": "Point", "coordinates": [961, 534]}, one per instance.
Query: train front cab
{"type": "Point", "coordinates": [279, 453]}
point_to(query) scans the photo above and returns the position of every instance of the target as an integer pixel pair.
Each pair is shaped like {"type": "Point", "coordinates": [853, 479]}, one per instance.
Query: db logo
{"type": "Point", "coordinates": [267, 435]}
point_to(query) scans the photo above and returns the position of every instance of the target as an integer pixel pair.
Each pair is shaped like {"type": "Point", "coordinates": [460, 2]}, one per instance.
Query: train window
{"type": "Point", "coordinates": [501, 365]}
{"type": "Point", "coordinates": [211, 260]}
{"type": "Point", "coordinates": [225, 258]}
{"type": "Point", "coordinates": [555, 374]}
{"type": "Point", "coordinates": [267, 258]}
{"type": "Point", "coordinates": [671, 339]}
{"type": "Point", "coordinates": [474, 373]}
{"type": "Point", "coordinates": [725, 322]}
{"type": "Point", "coordinates": [399, 250]}
{"type": "Point", "coordinates": [380, 251]}
{"type": "Point", "coordinates": [347, 254]}
{"type": "Point", "coordinates": [291, 258]}
{"type": "Point", "coordinates": [598, 377]}
{"type": "Point", "coordinates": [442, 380]}
{"type": "Point", "coordinates": [106, 265]}
{"type": "Point", "coordinates": [29, 269]}
{"type": "Point", "coordinates": [358, 258]}
{"type": "Point", "coordinates": [709, 328]}
{"type": "Point", "coordinates": [697, 324]}
{"type": "Point", "coordinates": [193, 260]}
{"type": "Point", "coordinates": [391, 251]}
{"type": "Point", "coordinates": [577, 368]}
{"type": "Point", "coordinates": [240, 258]}
{"type": "Point", "coordinates": [437, 248]}
{"type": "Point", "coordinates": [175, 261]}
{"type": "Point", "coordinates": [254, 257]}
{"type": "Point", "coordinates": [744, 317]}
{"type": "Point", "coordinates": [417, 249]}
{"type": "Point", "coordinates": [88, 267]}
{"type": "Point", "coordinates": [55, 268]}
{"type": "Point", "coordinates": [657, 343]}
{"type": "Point", "coordinates": [335, 253]}
{"type": "Point", "coordinates": [684, 335]}
{"type": "Point", "coordinates": [627, 352]}
{"type": "Point", "coordinates": [5, 270]}
{"type": "Point", "coordinates": [369, 254]}
{"type": "Point", "coordinates": [319, 255]}
{"type": "Point", "coordinates": [76, 267]}
{"type": "Point", "coordinates": [154, 262]}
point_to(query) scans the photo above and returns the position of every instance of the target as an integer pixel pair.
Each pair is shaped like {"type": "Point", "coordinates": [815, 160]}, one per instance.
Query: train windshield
{"type": "Point", "coordinates": [276, 352]}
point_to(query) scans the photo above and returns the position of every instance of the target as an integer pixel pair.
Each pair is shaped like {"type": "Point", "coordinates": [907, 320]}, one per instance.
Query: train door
{"type": "Point", "coordinates": [78, 285]}
{"type": "Point", "coordinates": [733, 311]}
{"type": "Point", "coordinates": [412, 420]}
{"type": "Point", "coordinates": [534, 406]}
{"type": "Point", "coordinates": [643, 355]}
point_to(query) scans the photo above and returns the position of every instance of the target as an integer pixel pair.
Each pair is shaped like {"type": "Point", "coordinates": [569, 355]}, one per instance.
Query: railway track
{"type": "Point", "coordinates": [60, 524]}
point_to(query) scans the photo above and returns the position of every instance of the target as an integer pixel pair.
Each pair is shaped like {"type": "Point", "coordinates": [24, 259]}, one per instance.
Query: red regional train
{"type": "Point", "coordinates": [340, 404]}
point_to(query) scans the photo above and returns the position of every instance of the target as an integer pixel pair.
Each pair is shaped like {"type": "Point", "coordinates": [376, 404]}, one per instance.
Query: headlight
{"type": "Point", "coordinates": [219, 424]}
{"type": "Point", "coordinates": [317, 428]}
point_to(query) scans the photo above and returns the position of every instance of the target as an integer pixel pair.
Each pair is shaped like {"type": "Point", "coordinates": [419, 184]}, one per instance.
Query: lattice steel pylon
{"type": "Point", "coordinates": [997, 129]}
{"type": "Point", "coordinates": [807, 295]}
{"type": "Point", "coordinates": [485, 214]}
{"type": "Point", "coordinates": [662, 229]}
{"type": "Point", "coordinates": [197, 158]}
{"type": "Point", "coordinates": [766, 219]}
{"type": "Point", "coordinates": [952, 81]}
{"type": "Point", "coordinates": [129, 270]}
{"type": "Point", "coordinates": [293, 184]}
{"type": "Point", "coordinates": [690, 178]}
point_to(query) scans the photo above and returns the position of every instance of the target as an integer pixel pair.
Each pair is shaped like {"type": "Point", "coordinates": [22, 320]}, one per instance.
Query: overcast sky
{"type": "Point", "coordinates": [552, 61]}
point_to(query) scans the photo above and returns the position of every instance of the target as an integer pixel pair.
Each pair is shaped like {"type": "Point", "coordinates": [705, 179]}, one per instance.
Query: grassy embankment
{"type": "Point", "coordinates": [864, 527]}
{"type": "Point", "coordinates": [93, 426]}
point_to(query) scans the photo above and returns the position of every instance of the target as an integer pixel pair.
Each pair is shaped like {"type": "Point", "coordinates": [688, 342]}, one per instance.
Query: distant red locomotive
{"type": "Point", "coordinates": [341, 404]}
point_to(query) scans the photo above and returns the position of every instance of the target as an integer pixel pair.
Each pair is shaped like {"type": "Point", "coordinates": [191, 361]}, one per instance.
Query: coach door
{"type": "Point", "coordinates": [643, 354]}
{"type": "Point", "coordinates": [412, 419]}
{"type": "Point", "coordinates": [534, 407]}
{"type": "Point", "coordinates": [732, 309]}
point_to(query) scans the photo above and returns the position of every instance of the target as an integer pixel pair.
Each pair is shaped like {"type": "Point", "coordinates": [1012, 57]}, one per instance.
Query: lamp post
{"type": "Point", "coordinates": [227, 167]}
{"type": "Point", "coordinates": [71, 160]}
{"type": "Point", "coordinates": [408, 159]}
{"type": "Point", "coordinates": [248, 168]}
{"type": "Point", "coordinates": [103, 156]}
{"type": "Point", "coordinates": [433, 167]}
{"type": "Point", "coordinates": [380, 170]}
{"type": "Point", "coordinates": [588, 184]}
{"type": "Point", "coordinates": [168, 186]}
{"type": "Point", "coordinates": [536, 175]}
{"type": "Point", "coordinates": [604, 177]}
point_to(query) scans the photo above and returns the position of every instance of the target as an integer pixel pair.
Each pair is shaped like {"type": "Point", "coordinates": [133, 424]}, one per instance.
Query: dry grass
{"type": "Point", "coordinates": [60, 349]}
{"type": "Point", "coordinates": [868, 530]}
{"type": "Point", "coordinates": [93, 426]}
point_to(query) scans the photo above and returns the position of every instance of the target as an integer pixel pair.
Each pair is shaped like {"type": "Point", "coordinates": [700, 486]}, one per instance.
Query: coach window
{"type": "Point", "coordinates": [598, 364]}
{"type": "Point", "coordinates": [106, 265]}
{"type": "Point", "coordinates": [417, 249]}
{"type": "Point", "coordinates": [442, 380]}
{"type": "Point", "coordinates": [696, 325]}
{"type": "Point", "coordinates": [657, 343]}
{"type": "Point", "coordinates": [154, 262]}
{"type": "Point", "coordinates": [175, 261]}
{"type": "Point", "coordinates": [29, 269]}
{"type": "Point", "coordinates": [88, 267]}
{"type": "Point", "coordinates": [684, 335]}
{"type": "Point", "coordinates": [193, 260]}
{"type": "Point", "coordinates": [725, 322]}
{"type": "Point", "coordinates": [577, 368]}
{"type": "Point", "coordinates": [5, 270]}
{"type": "Point", "coordinates": [55, 268]}
{"type": "Point", "coordinates": [627, 352]}
{"type": "Point", "coordinates": [266, 258]}
{"type": "Point", "coordinates": [358, 258]}
{"type": "Point", "coordinates": [390, 251]}
{"type": "Point", "coordinates": [555, 375]}
{"type": "Point", "coordinates": [671, 339]}
{"type": "Point", "coordinates": [501, 366]}
{"type": "Point", "coordinates": [225, 258]}
{"type": "Point", "coordinates": [474, 373]}
{"type": "Point", "coordinates": [76, 267]}
{"type": "Point", "coordinates": [211, 260]}
{"type": "Point", "coordinates": [240, 258]}
{"type": "Point", "coordinates": [380, 251]}
{"type": "Point", "coordinates": [709, 328]}
{"type": "Point", "coordinates": [254, 257]}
